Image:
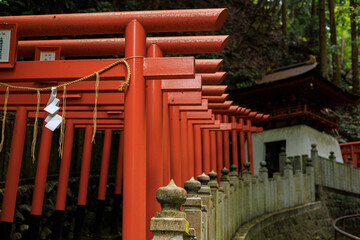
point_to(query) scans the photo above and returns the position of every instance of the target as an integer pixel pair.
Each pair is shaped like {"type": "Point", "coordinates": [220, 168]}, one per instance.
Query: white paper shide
{"type": "Point", "coordinates": [53, 119]}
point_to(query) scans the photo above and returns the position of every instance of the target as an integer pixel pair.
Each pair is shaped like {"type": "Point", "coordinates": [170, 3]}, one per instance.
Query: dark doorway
{"type": "Point", "coordinates": [272, 151]}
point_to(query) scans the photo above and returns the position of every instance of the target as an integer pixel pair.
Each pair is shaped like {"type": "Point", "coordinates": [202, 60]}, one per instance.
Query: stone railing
{"type": "Point", "coordinates": [333, 174]}
{"type": "Point", "coordinates": [213, 211]}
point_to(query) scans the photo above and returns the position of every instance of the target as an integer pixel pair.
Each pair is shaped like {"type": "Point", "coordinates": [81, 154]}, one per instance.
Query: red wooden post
{"type": "Point", "coordinates": [225, 118]}
{"type": "Point", "coordinates": [166, 139]}
{"type": "Point", "coordinates": [84, 182]}
{"type": "Point", "coordinates": [63, 180]}
{"type": "Point", "coordinates": [234, 139]}
{"type": "Point", "coordinates": [40, 181]}
{"type": "Point", "coordinates": [353, 155]}
{"type": "Point", "coordinates": [118, 186]}
{"type": "Point", "coordinates": [134, 197]}
{"type": "Point", "coordinates": [184, 145]}
{"type": "Point", "coordinates": [344, 151]}
{"type": "Point", "coordinates": [191, 153]}
{"type": "Point", "coordinates": [242, 145]}
{"type": "Point", "coordinates": [104, 169]}
{"type": "Point", "coordinates": [41, 172]}
{"type": "Point", "coordinates": [197, 150]}
{"type": "Point", "coordinates": [206, 150]}
{"type": "Point", "coordinates": [250, 147]}
{"type": "Point", "coordinates": [13, 173]}
{"type": "Point", "coordinates": [219, 148]}
{"type": "Point", "coordinates": [119, 166]}
{"type": "Point", "coordinates": [85, 166]}
{"type": "Point", "coordinates": [213, 154]}
{"type": "Point", "coordinates": [175, 144]}
{"type": "Point", "coordinates": [65, 166]}
{"type": "Point", "coordinates": [154, 143]}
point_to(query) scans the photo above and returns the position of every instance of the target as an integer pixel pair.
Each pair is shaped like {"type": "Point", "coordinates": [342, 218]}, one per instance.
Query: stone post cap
{"type": "Point", "coordinates": [282, 150]}
{"type": "Point", "coordinates": [288, 164]}
{"type": "Point", "coordinates": [212, 175]}
{"type": "Point", "coordinates": [171, 197]}
{"type": "Point", "coordinates": [263, 164]}
{"type": "Point", "coordinates": [192, 186]}
{"type": "Point", "coordinates": [224, 177]}
{"type": "Point", "coordinates": [213, 180]}
{"type": "Point", "coordinates": [233, 172]}
{"type": "Point", "coordinates": [313, 147]}
{"type": "Point", "coordinates": [247, 167]}
{"type": "Point", "coordinates": [263, 167]}
{"type": "Point", "coordinates": [332, 156]}
{"type": "Point", "coordinates": [309, 162]}
{"type": "Point", "coordinates": [204, 179]}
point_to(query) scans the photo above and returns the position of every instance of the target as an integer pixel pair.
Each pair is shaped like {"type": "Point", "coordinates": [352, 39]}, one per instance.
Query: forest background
{"type": "Point", "coordinates": [264, 35]}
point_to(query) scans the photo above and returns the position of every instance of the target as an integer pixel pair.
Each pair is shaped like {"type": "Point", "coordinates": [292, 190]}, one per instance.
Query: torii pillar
{"type": "Point", "coordinates": [135, 136]}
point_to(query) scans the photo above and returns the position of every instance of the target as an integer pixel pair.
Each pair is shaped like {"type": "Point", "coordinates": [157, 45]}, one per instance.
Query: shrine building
{"type": "Point", "coordinates": [298, 99]}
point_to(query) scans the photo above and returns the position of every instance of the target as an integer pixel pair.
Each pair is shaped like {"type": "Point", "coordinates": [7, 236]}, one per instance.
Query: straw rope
{"type": "Point", "coordinates": [95, 106]}
{"type": "Point", "coordinates": [62, 128]}
{"type": "Point", "coordinates": [33, 144]}
{"type": "Point", "coordinates": [3, 120]}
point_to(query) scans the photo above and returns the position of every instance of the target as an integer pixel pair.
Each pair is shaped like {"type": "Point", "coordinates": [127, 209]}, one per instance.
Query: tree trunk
{"type": "Point", "coordinates": [313, 16]}
{"type": "Point", "coordinates": [284, 26]}
{"type": "Point", "coordinates": [322, 40]}
{"type": "Point", "coordinates": [354, 49]}
{"type": "Point", "coordinates": [336, 77]}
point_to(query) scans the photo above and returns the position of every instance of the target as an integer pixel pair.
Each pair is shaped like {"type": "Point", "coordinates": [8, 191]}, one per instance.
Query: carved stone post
{"type": "Point", "coordinates": [349, 167]}
{"type": "Point", "coordinates": [310, 171]}
{"type": "Point", "coordinates": [225, 184]}
{"type": "Point", "coordinates": [282, 159]}
{"type": "Point", "coordinates": [247, 192]}
{"type": "Point", "coordinates": [264, 178]}
{"type": "Point", "coordinates": [255, 196]}
{"type": "Point", "coordinates": [297, 163]}
{"type": "Point", "coordinates": [316, 163]}
{"type": "Point", "coordinates": [170, 223]}
{"type": "Point", "coordinates": [241, 201]}
{"type": "Point", "coordinates": [332, 177]}
{"type": "Point", "coordinates": [234, 181]}
{"type": "Point", "coordinates": [193, 207]}
{"type": "Point", "coordinates": [214, 189]}
{"type": "Point", "coordinates": [279, 197]}
{"type": "Point", "coordinates": [288, 172]}
{"type": "Point", "coordinates": [205, 194]}
{"type": "Point", "coordinates": [221, 212]}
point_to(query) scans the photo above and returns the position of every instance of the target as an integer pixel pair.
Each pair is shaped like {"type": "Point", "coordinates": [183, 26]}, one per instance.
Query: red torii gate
{"type": "Point", "coordinates": [171, 82]}
{"type": "Point", "coordinates": [134, 99]}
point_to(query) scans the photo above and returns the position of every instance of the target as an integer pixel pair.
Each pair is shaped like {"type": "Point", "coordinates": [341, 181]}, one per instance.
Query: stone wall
{"type": "Point", "coordinates": [340, 203]}
{"type": "Point", "coordinates": [23, 208]}
{"type": "Point", "coordinates": [308, 221]}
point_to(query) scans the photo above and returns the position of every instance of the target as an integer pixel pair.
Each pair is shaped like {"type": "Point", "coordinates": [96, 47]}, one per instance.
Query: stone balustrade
{"type": "Point", "coordinates": [213, 211]}
{"type": "Point", "coordinates": [332, 174]}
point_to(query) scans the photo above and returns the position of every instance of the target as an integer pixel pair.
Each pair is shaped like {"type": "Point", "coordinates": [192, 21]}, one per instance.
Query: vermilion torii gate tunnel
{"type": "Point", "coordinates": [80, 112]}
{"type": "Point", "coordinates": [141, 166]}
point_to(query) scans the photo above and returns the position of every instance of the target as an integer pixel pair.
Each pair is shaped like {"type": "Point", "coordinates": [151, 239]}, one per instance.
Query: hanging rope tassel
{"type": "Point", "coordinates": [62, 127]}
{"type": "Point", "coordinates": [127, 81]}
{"type": "Point", "coordinates": [95, 107]}
{"type": "Point", "coordinates": [33, 145]}
{"type": "Point", "coordinates": [4, 118]}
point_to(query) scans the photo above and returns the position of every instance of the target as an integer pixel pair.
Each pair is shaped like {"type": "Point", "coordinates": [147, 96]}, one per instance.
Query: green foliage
{"type": "Point", "coordinates": [4, 2]}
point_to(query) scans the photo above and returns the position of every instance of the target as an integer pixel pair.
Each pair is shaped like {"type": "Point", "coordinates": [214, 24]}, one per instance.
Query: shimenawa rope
{"type": "Point", "coordinates": [62, 128]}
